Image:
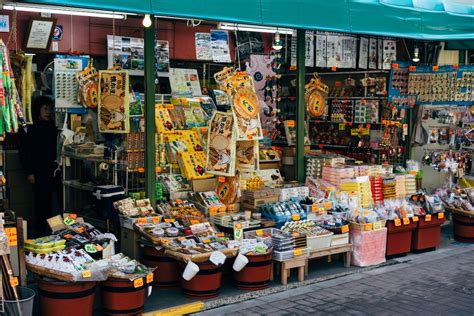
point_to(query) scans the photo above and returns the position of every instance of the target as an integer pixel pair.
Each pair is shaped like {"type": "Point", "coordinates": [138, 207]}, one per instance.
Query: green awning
{"type": "Point", "coordinates": [422, 19]}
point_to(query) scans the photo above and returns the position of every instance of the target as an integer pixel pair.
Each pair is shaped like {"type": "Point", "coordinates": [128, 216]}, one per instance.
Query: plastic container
{"type": "Point", "coordinates": [62, 298]}
{"type": "Point", "coordinates": [368, 247]}
{"type": "Point", "coordinates": [25, 303]}
{"type": "Point", "coordinates": [123, 297]}
{"type": "Point", "coordinates": [319, 242]}
{"type": "Point", "coordinates": [285, 255]}
{"type": "Point", "coordinates": [340, 239]}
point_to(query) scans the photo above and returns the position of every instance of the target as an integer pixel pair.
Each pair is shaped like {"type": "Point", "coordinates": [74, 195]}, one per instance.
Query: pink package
{"type": "Point", "coordinates": [368, 247]}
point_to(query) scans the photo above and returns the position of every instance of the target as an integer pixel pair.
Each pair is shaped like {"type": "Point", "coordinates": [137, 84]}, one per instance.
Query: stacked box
{"type": "Point", "coordinates": [360, 186]}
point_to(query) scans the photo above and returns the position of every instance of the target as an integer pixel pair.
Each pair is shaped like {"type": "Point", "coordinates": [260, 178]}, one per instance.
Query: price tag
{"type": "Point", "coordinates": [395, 66]}
{"type": "Point", "coordinates": [345, 229]}
{"type": "Point", "coordinates": [86, 274]}
{"type": "Point", "coordinates": [428, 218]}
{"type": "Point", "coordinates": [440, 215]}
{"type": "Point", "coordinates": [194, 221]}
{"type": "Point", "coordinates": [298, 252]}
{"type": "Point", "coordinates": [415, 219]}
{"type": "Point", "coordinates": [165, 241]}
{"type": "Point", "coordinates": [169, 220]}
{"type": "Point", "coordinates": [259, 232]}
{"type": "Point", "coordinates": [397, 222]}
{"type": "Point", "coordinates": [412, 68]}
{"type": "Point", "coordinates": [73, 216]}
{"type": "Point", "coordinates": [155, 219]}
{"type": "Point", "coordinates": [221, 179]}
{"type": "Point", "coordinates": [455, 67]}
{"type": "Point", "coordinates": [222, 209]}
{"type": "Point", "coordinates": [68, 236]}
{"type": "Point", "coordinates": [196, 213]}
{"type": "Point", "coordinates": [406, 221]}
{"type": "Point", "coordinates": [169, 106]}
{"type": "Point", "coordinates": [368, 226]}
{"type": "Point", "coordinates": [142, 220]}
{"type": "Point", "coordinates": [314, 208]}
{"type": "Point", "coordinates": [69, 221]}
{"type": "Point", "coordinates": [181, 238]}
{"type": "Point", "coordinates": [90, 248]}
{"type": "Point", "coordinates": [342, 126]}
{"type": "Point", "coordinates": [12, 236]}
{"type": "Point", "coordinates": [138, 283]}
{"type": "Point", "coordinates": [333, 68]}
{"type": "Point", "coordinates": [291, 123]}
{"type": "Point", "coordinates": [14, 281]}
{"type": "Point", "coordinates": [295, 217]}
{"type": "Point", "coordinates": [327, 205]}
{"type": "Point", "coordinates": [435, 68]}
{"type": "Point", "coordinates": [220, 234]}
{"type": "Point", "coordinates": [149, 278]}
{"type": "Point", "coordinates": [99, 247]}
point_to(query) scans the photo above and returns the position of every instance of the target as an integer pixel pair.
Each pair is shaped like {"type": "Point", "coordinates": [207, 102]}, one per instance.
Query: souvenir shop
{"type": "Point", "coordinates": [154, 156]}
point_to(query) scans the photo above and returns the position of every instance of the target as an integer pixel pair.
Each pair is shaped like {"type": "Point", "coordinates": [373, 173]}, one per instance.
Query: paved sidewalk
{"type": "Point", "coordinates": [435, 283]}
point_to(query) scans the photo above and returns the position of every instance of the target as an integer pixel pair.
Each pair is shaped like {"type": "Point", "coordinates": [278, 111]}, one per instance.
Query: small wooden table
{"type": "Point", "coordinates": [345, 249]}
{"type": "Point", "coordinates": [287, 265]}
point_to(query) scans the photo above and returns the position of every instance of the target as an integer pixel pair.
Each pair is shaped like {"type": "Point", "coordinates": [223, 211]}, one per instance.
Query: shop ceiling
{"type": "Point", "coordinates": [420, 19]}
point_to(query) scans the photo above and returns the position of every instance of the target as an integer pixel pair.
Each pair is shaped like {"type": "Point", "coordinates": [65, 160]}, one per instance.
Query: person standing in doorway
{"type": "Point", "coordinates": [38, 149]}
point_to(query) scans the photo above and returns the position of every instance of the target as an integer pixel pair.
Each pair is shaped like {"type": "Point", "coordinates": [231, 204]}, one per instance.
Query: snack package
{"type": "Point", "coordinates": [221, 155]}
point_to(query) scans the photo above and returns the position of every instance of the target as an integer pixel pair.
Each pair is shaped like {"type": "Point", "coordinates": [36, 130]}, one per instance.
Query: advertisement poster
{"type": "Point", "coordinates": [185, 81]}
{"type": "Point", "coordinates": [363, 52]}
{"type": "Point", "coordinates": [113, 102]}
{"type": "Point", "coordinates": [4, 23]}
{"type": "Point", "coordinates": [203, 46]}
{"type": "Point", "coordinates": [321, 49]}
{"type": "Point", "coordinates": [220, 46]}
{"type": "Point", "coordinates": [129, 54]}
{"type": "Point", "coordinates": [309, 60]}
{"type": "Point", "coordinates": [372, 53]}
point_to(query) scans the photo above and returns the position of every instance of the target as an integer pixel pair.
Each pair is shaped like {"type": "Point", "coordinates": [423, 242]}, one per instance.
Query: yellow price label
{"type": "Point", "coordinates": [345, 229]}
{"type": "Point", "coordinates": [138, 283]}
{"type": "Point", "coordinates": [314, 208]}
{"type": "Point", "coordinates": [194, 221]}
{"type": "Point", "coordinates": [222, 209]}
{"type": "Point", "coordinates": [291, 123]}
{"type": "Point", "coordinates": [440, 215]}
{"type": "Point", "coordinates": [428, 218]}
{"type": "Point", "coordinates": [342, 126]}
{"type": "Point", "coordinates": [169, 220]}
{"type": "Point", "coordinates": [12, 236]}
{"type": "Point", "coordinates": [368, 226]}
{"type": "Point", "coordinates": [406, 221]}
{"type": "Point", "coordinates": [415, 219]}
{"type": "Point", "coordinates": [296, 217]}
{"type": "Point", "coordinates": [155, 219]}
{"type": "Point", "coordinates": [298, 252]}
{"type": "Point", "coordinates": [221, 179]}
{"type": "Point", "coordinates": [397, 222]}
{"type": "Point", "coordinates": [142, 220]}
{"type": "Point", "coordinates": [149, 278]}
{"type": "Point", "coordinates": [86, 274]}
{"type": "Point", "coordinates": [327, 205]}
{"type": "Point", "coordinates": [220, 234]}
{"type": "Point", "coordinates": [181, 238]}
{"type": "Point", "coordinates": [169, 106]}
{"type": "Point", "coordinates": [14, 281]}
{"type": "Point", "coordinates": [259, 232]}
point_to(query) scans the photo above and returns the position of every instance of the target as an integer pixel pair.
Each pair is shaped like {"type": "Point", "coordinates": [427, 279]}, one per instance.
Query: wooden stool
{"type": "Point", "coordinates": [289, 264]}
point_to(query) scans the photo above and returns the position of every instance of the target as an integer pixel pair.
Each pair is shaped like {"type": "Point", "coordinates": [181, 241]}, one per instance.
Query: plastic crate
{"type": "Point", "coordinates": [267, 240]}
{"type": "Point", "coordinates": [340, 239]}
{"type": "Point", "coordinates": [319, 242]}
{"type": "Point", "coordinates": [290, 254]}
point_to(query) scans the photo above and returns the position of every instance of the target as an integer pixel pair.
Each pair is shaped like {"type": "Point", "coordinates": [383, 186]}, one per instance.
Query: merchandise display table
{"type": "Point", "coordinates": [346, 250]}
{"type": "Point", "coordinates": [287, 265]}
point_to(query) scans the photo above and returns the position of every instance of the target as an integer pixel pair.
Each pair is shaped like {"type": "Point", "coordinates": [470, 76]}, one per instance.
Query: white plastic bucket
{"type": "Point", "coordinates": [190, 271]}
{"type": "Point", "coordinates": [240, 262]}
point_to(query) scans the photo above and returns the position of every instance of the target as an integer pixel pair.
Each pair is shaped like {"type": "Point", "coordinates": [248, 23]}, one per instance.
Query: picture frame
{"type": "Point", "coordinates": [39, 34]}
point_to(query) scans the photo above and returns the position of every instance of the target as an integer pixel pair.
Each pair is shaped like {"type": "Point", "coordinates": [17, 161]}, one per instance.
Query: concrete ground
{"type": "Point", "coordinates": [434, 283]}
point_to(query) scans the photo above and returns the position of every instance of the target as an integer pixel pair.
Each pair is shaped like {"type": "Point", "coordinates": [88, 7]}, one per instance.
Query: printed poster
{"type": "Point", "coordinates": [379, 53]}
{"type": "Point", "coordinates": [264, 76]}
{"type": "Point", "coordinates": [245, 108]}
{"type": "Point", "coordinates": [221, 155]}
{"type": "Point", "coordinates": [309, 49]}
{"type": "Point", "coordinates": [372, 53]}
{"type": "Point", "coordinates": [220, 46]}
{"type": "Point", "coordinates": [203, 46]}
{"type": "Point", "coordinates": [294, 50]}
{"type": "Point", "coordinates": [363, 52]}
{"type": "Point", "coordinates": [4, 23]}
{"type": "Point", "coordinates": [349, 51]}
{"type": "Point", "coordinates": [162, 56]}
{"type": "Point", "coordinates": [321, 49]}
{"type": "Point", "coordinates": [185, 81]}
{"type": "Point", "coordinates": [334, 51]}
{"type": "Point", "coordinates": [113, 101]}
{"type": "Point", "coordinates": [389, 53]}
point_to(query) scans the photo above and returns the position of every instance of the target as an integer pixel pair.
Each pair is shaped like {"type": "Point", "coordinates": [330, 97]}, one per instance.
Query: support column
{"type": "Point", "coordinates": [150, 163]}
{"type": "Point", "coordinates": [301, 106]}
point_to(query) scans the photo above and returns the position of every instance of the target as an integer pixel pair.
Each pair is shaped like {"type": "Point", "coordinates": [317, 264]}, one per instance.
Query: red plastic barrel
{"type": "Point", "coordinates": [427, 235]}
{"type": "Point", "coordinates": [121, 297]}
{"type": "Point", "coordinates": [399, 238]}
{"type": "Point", "coordinates": [205, 284]}
{"type": "Point", "coordinates": [256, 274]}
{"type": "Point", "coordinates": [62, 298]}
{"type": "Point", "coordinates": [463, 228]}
{"type": "Point", "coordinates": [167, 272]}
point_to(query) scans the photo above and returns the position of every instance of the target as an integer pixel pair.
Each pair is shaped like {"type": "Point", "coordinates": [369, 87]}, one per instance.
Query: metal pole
{"type": "Point", "coordinates": [301, 107]}
{"type": "Point", "coordinates": [150, 163]}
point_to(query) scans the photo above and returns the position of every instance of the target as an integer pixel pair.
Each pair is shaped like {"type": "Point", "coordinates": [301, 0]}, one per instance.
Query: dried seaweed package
{"type": "Point", "coordinates": [221, 154]}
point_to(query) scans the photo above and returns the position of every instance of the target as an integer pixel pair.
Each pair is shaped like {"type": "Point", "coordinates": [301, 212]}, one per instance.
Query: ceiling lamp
{"type": "Point", "coordinates": [416, 55]}
{"type": "Point", "coordinates": [146, 21]}
{"type": "Point", "coordinates": [253, 28]}
{"type": "Point", "coordinates": [277, 42]}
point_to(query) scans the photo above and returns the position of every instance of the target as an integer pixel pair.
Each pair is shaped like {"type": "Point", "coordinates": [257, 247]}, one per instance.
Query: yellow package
{"type": "Point", "coordinates": [162, 119]}
{"type": "Point", "coordinates": [192, 166]}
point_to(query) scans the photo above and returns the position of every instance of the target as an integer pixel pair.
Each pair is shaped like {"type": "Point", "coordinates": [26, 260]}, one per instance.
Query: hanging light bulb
{"type": "Point", "coordinates": [416, 55]}
{"type": "Point", "coordinates": [277, 42]}
{"type": "Point", "coordinates": [146, 21]}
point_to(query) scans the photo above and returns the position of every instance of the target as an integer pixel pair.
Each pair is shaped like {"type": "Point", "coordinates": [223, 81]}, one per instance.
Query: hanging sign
{"type": "Point", "coordinates": [203, 46]}
{"type": "Point", "coordinates": [220, 46]}
{"type": "Point", "coordinates": [114, 102]}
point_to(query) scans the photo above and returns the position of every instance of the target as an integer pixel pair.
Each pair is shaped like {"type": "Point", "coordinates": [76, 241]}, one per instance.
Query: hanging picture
{"type": "Point", "coordinates": [248, 43]}
{"type": "Point", "coordinates": [203, 46]}
{"type": "Point", "coordinates": [309, 50]}
{"type": "Point", "coordinates": [4, 23]}
{"type": "Point", "coordinates": [58, 33]}
{"type": "Point", "coordinates": [39, 34]}
{"type": "Point", "coordinates": [220, 46]}
{"type": "Point", "coordinates": [113, 102]}
{"type": "Point", "coordinates": [264, 79]}
{"type": "Point", "coordinates": [221, 145]}
{"type": "Point", "coordinates": [334, 51]}
{"type": "Point", "coordinates": [349, 51]}
{"type": "Point", "coordinates": [389, 53]}
{"type": "Point", "coordinates": [245, 108]}
{"type": "Point", "coordinates": [372, 53]}
{"type": "Point", "coordinates": [247, 156]}
{"type": "Point", "coordinates": [379, 53]}
{"type": "Point", "coordinates": [293, 59]}
{"type": "Point", "coordinates": [185, 81]}
{"type": "Point", "coordinates": [129, 53]}
{"type": "Point", "coordinates": [363, 52]}
{"type": "Point", "coordinates": [321, 49]}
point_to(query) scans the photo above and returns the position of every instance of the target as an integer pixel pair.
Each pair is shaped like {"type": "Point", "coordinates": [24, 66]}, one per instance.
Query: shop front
{"type": "Point", "coordinates": [156, 155]}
